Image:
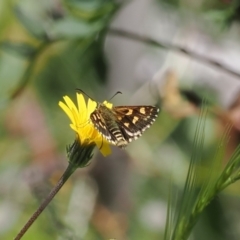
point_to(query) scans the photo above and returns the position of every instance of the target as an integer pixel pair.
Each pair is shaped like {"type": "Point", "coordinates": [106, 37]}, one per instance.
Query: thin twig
{"type": "Point", "coordinates": [173, 47]}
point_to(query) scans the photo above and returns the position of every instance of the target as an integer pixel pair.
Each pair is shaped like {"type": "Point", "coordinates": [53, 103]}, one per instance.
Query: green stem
{"type": "Point", "coordinates": [229, 181]}
{"type": "Point", "coordinates": [69, 171]}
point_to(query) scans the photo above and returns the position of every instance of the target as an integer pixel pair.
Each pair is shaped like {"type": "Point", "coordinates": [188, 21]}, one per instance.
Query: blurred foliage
{"type": "Point", "coordinates": [66, 37]}
{"type": "Point", "coordinates": [47, 50]}
{"type": "Point", "coordinates": [223, 12]}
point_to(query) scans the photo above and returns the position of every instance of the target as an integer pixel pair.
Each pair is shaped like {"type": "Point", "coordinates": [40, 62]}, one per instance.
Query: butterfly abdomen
{"type": "Point", "coordinates": [115, 132]}
{"type": "Point", "coordinates": [118, 137]}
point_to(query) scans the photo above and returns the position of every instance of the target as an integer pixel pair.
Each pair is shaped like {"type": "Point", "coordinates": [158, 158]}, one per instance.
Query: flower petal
{"type": "Point", "coordinates": [91, 106]}
{"type": "Point", "coordinates": [66, 109]}
{"type": "Point", "coordinates": [104, 148]}
{"type": "Point", "coordinates": [82, 108]}
{"type": "Point", "coordinates": [73, 127]}
{"type": "Point", "coordinates": [70, 103]}
{"type": "Point", "coordinates": [72, 108]}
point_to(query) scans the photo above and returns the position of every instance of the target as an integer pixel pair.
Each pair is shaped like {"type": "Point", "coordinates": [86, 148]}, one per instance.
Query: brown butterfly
{"type": "Point", "coordinates": [121, 124]}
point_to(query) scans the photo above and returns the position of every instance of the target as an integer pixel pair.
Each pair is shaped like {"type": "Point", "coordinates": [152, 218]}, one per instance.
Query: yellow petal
{"type": "Point", "coordinates": [91, 106]}
{"type": "Point", "coordinates": [104, 148]}
{"type": "Point", "coordinates": [67, 111]}
{"type": "Point", "coordinates": [73, 127]}
{"type": "Point", "coordinates": [70, 103]}
{"type": "Point", "coordinates": [82, 109]}
{"type": "Point", "coordinates": [72, 108]}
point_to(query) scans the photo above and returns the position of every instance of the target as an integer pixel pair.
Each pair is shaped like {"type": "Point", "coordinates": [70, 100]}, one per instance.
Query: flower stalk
{"type": "Point", "coordinates": [79, 157]}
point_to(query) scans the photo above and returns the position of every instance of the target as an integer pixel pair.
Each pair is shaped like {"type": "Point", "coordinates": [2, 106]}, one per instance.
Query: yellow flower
{"type": "Point", "coordinates": [82, 124]}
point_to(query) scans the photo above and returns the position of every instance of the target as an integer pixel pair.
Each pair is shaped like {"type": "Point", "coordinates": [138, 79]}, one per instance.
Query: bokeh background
{"type": "Point", "coordinates": [169, 53]}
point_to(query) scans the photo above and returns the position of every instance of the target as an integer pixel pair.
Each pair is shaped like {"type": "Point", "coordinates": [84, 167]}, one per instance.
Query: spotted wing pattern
{"type": "Point", "coordinates": [134, 120]}
{"type": "Point", "coordinates": [121, 124]}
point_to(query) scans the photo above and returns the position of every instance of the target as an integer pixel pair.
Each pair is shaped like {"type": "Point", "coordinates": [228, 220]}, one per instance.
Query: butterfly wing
{"type": "Point", "coordinates": [101, 125]}
{"type": "Point", "coordinates": [134, 120]}
{"type": "Point", "coordinates": [121, 124]}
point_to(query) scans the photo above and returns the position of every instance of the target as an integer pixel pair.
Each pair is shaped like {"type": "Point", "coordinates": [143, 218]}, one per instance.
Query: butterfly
{"type": "Point", "coordinates": [121, 124]}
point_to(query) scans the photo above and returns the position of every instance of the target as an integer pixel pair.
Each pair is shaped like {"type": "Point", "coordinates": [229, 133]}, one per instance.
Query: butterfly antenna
{"type": "Point", "coordinates": [81, 91]}
{"type": "Point", "coordinates": [118, 92]}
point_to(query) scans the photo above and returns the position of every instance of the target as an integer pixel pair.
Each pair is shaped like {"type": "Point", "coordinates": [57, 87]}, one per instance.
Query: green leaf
{"type": "Point", "coordinates": [20, 49]}
{"type": "Point", "coordinates": [73, 28]}
{"type": "Point", "coordinates": [33, 27]}
{"type": "Point", "coordinates": [90, 10]}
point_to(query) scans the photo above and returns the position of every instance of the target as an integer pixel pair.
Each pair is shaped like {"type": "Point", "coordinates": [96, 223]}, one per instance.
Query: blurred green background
{"type": "Point", "coordinates": [50, 48]}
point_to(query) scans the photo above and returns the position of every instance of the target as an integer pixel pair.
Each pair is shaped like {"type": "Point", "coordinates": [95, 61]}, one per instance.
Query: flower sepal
{"type": "Point", "coordinates": [80, 155]}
